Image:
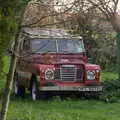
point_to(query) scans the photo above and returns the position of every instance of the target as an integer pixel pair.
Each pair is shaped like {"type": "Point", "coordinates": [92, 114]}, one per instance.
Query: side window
{"type": "Point", "coordinates": [26, 45]}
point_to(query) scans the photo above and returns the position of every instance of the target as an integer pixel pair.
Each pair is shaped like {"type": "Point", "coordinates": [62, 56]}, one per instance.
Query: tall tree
{"type": "Point", "coordinates": [109, 9]}
{"type": "Point", "coordinates": [10, 21]}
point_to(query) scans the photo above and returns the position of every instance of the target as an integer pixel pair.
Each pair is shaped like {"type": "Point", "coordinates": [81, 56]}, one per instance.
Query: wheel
{"type": "Point", "coordinates": [92, 95]}
{"type": "Point", "coordinates": [34, 91]}
{"type": "Point", "coordinates": [19, 90]}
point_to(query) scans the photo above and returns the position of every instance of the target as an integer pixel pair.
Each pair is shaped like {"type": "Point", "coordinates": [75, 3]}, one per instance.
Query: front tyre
{"type": "Point", "coordinates": [34, 91]}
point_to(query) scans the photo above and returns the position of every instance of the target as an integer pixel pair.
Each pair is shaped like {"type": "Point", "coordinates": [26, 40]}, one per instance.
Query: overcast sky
{"type": "Point", "coordinates": [70, 1]}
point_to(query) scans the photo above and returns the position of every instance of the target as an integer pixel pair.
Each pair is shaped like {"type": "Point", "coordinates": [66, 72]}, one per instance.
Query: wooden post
{"type": "Point", "coordinates": [10, 76]}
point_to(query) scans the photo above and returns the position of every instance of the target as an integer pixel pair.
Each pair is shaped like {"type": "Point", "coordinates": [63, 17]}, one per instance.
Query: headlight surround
{"type": "Point", "coordinates": [49, 74]}
{"type": "Point", "coordinates": [90, 75]}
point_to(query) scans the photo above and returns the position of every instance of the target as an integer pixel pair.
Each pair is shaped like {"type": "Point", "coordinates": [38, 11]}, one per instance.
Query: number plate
{"type": "Point", "coordinates": [90, 88]}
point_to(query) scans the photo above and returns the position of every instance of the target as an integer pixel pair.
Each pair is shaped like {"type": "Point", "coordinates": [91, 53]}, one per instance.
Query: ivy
{"type": "Point", "coordinates": [9, 17]}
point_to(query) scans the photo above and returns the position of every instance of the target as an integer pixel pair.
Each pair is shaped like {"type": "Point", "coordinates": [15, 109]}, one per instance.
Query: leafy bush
{"type": "Point", "coordinates": [111, 91]}
{"type": "Point", "coordinates": [104, 53]}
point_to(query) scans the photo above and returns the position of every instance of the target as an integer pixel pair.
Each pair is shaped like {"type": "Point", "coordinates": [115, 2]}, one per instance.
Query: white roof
{"type": "Point", "coordinates": [45, 33]}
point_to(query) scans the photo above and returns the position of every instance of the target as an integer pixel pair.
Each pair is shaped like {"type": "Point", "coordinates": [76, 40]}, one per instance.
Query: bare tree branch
{"type": "Point", "coordinates": [102, 8]}
{"type": "Point", "coordinates": [50, 15]}
{"type": "Point", "coordinates": [115, 5]}
{"type": "Point", "coordinates": [46, 16]}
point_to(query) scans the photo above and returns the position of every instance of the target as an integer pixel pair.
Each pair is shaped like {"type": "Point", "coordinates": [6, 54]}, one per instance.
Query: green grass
{"type": "Point", "coordinates": [5, 70]}
{"type": "Point", "coordinates": [109, 73]}
{"type": "Point", "coordinates": [63, 110]}
{"type": "Point", "coordinates": [106, 75]}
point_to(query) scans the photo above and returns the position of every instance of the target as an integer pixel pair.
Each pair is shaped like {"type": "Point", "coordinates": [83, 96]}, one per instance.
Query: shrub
{"type": "Point", "coordinates": [111, 91]}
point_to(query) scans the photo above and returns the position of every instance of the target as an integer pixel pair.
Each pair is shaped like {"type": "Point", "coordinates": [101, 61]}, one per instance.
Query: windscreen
{"type": "Point", "coordinates": [57, 46]}
{"type": "Point", "coordinates": [70, 46]}
{"type": "Point", "coordinates": [43, 46]}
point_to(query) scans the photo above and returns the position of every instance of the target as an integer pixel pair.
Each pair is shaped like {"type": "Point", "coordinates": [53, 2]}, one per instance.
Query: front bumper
{"type": "Point", "coordinates": [72, 88]}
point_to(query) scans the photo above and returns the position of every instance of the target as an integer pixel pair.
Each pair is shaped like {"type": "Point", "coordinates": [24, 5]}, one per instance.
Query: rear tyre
{"type": "Point", "coordinates": [19, 90]}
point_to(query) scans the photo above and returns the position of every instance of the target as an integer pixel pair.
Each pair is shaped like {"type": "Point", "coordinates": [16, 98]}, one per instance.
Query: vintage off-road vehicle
{"type": "Point", "coordinates": [52, 62]}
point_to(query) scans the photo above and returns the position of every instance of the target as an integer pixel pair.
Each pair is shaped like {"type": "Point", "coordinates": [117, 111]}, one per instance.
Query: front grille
{"type": "Point", "coordinates": [69, 73]}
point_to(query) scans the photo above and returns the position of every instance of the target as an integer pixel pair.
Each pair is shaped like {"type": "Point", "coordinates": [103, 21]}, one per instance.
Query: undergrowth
{"type": "Point", "coordinates": [111, 89]}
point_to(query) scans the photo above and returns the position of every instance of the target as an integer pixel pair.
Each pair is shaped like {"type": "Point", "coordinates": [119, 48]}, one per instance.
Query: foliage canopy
{"type": "Point", "coordinates": [9, 16]}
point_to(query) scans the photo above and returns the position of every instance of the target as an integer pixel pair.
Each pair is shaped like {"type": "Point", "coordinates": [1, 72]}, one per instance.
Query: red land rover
{"type": "Point", "coordinates": [52, 62]}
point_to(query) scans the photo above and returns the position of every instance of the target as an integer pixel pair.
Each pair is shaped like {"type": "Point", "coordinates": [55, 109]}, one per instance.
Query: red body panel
{"type": "Point", "coordinates": [41, 62]}
{"type": "Point", "coordinates": [57, 58]}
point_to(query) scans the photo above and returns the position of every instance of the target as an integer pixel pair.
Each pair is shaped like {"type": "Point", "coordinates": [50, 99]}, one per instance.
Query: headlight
{"type": "Point", "coordinates": [90, 75]}
{"type": "Point", "coordinates": [49, 74]}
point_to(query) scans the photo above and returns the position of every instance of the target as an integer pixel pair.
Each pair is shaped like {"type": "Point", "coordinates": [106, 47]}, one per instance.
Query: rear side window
{"type": "Point", "coordinates": [26, 45]}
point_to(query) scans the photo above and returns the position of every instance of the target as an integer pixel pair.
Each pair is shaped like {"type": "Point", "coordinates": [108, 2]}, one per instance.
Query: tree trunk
{"type": "Point", "coordinates": [118, 54]}
{"type": "Point", "coordinates": [10, 76]}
